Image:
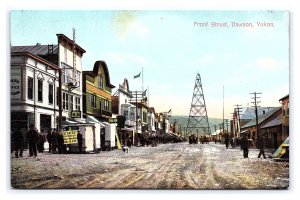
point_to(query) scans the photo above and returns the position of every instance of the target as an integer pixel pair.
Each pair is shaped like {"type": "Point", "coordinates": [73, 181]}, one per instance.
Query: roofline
{"type": "Point", "coordinates": [286, 96]}
{"type": "Point", "coordinates": [46, 62]}
{"type": "Point", "coordinates": [105, 69]}
{"type": "Point", "coordinates": [59, 35]}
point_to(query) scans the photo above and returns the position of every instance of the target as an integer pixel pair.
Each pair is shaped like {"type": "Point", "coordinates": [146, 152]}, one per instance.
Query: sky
{"type": "Point", "coordinates": [171, 47]}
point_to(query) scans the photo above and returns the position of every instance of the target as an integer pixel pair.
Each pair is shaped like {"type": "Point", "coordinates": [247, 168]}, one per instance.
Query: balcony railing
{"type": "Point", "coordinates": [101, 113]}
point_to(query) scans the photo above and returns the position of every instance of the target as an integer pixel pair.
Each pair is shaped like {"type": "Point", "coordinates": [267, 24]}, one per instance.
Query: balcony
{"type": "Point", "coordinates": [101, 113]}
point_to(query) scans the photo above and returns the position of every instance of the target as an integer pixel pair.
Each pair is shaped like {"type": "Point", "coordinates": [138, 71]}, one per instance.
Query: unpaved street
{"type": "Point", "coordinates": [167, 166]}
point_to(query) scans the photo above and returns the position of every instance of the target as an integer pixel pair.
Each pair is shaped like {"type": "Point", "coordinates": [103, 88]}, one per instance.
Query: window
{"type": "Point", "coordinates": [106, 105]}
{"type": "Point", "coordinates": [40, 90]}
{"type": "Point", "coordinates": [77, 103]}
{"type": "Point", "coordinates": [78, 78]}
{"type": "Point", "coordinates": [71, 102]}
{"type": "Point", "coordinates": [30, 88]}
{"type": "Point", "coordinates": [50, 95]}
{"type": "Point", "coordinates": [93, 101]}
{"type": "Point", "coordinates": [100, 81]}
{"type": "Point", "coordinates": [65, 101]}
{"type": "Point", "coordinates": [57, 96]}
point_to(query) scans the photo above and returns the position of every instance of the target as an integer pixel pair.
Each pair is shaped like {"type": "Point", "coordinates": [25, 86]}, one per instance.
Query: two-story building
{"type": "Point", "coordinates": [67, 56]}
{"type": "Point", "coordinates": [33, 91]}
{"type": "Point", "coordinates": [285, 107]}
{"type": "Point", "coordinates": [97, 100]}
{"type": "Point", "coordinates": [121, 106]}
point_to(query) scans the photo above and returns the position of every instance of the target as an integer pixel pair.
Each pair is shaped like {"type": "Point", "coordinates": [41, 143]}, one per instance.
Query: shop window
{"type": "Point", "coordinates": [30, 88]}
{"type": "Point", "coordinates": [40, 90]}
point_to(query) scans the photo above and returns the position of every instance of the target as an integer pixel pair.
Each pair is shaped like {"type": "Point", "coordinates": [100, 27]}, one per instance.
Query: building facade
{"type": "Point", "coordinates": [285, 107]}
{"type": "Point", "coordinates": [97, 100]}
{"type": "Point", "coordinates": [34, 94]}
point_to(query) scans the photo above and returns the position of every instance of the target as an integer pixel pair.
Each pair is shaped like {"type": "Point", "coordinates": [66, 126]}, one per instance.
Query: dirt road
{"type": "Point", "coordinates": [167, 166]}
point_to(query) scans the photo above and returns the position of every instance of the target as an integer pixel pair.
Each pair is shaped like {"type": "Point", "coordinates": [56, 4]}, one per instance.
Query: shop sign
{"type": "Point", "coordinates": [112, 120]}
{"type": "Point", "coordinates": [70, 137]}
{"type": "Point", "coordinates": [15, 86]}
{"type": "Point", "coordinates": [75, 114]}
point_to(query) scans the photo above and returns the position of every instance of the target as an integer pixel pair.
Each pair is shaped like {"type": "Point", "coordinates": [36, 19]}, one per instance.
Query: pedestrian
{"type": "Point", "coordinates": [32, 139]}
{"type": "Point", "coordinates": [50, 140]}
{"type": "Point", "coordinates": [60, 143]}
{"type": "Point", "coordinates": [79, 140]}
{"type": "Point", "coordinates": [18, 143]}
{"type": "Point", "coordinates": [226, 140]}
{"type": "Point", "coordinates": [245, 145]}
{"type": "Point", "coordinates": [261, 146]}
{"type": "Point", "coordinates": [41, 141]}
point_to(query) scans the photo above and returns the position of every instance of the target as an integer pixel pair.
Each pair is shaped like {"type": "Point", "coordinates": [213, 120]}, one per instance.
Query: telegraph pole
{"type": "Point", "coordinates": [238, 115]}
{"type": "Point", "coordinates": [255, 102]}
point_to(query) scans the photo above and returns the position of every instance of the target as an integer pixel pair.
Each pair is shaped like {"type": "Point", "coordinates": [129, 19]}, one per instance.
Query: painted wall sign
{"type": "Point", "coordinates": [70, 137]}
{"type": "Point", "coordinates": [15, 86]}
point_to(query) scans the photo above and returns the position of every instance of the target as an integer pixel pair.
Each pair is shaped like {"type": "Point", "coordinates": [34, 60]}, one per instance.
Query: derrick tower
{"type": "Point", "coordinates": [198, 120]}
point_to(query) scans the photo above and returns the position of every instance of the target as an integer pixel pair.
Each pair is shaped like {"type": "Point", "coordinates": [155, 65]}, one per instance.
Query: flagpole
{"type": "Point", "coordinates": [142, 79]}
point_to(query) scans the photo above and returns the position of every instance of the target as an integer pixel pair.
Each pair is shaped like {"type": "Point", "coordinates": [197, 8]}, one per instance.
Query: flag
{"type": "Point", "coordinates": [144, 93]}
{"type": "Point", "coordinates": [136, 76]}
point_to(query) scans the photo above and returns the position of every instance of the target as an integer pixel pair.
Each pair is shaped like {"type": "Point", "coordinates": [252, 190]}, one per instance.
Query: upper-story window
{"type": "Point", "coordinates": [30, 88]}
{"type": "Point", "coordinates": [100, 81]}
{"type": "Point", "coordinates": [50, 93]}
{"type": "Point", "coordinates": [65, 101]}
{"type": "Point", "coordinates": [93, 101]}
{"type": "Point", "coordinates": [77, 103]}
{"type": "Point", "coordinates": [40, 90]}
{"type": "Point", "coordinates": [106, 105]}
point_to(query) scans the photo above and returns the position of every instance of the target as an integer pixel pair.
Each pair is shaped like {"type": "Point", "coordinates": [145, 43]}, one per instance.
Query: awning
{"type": "Point", "coordinates": [92, 119]}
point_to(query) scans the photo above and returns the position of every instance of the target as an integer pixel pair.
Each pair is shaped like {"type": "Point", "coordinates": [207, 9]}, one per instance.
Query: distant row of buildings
{"type": "Point", "coordinates": [273, 123]}
{"type": "Point", "coordinates": [50, 90]}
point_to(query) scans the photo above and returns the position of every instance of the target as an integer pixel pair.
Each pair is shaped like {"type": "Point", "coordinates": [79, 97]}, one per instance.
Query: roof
{"type": "Point", "coordinates": [62, 36]}
{"type": "Point", "coordinates": [46, 62]}
{"type": "Point", "coordinates": [94, 73]}
{"type": "Point", "coordinates": [285, 97]}
{"type": "Point", "coordinates": [37, 49]}
{"type": "Point", "coordinates": [261, 118]}
{"type": "Point", "coordinates": [249, 112]}
{"type": "Point", "coordinates": [275, 122]}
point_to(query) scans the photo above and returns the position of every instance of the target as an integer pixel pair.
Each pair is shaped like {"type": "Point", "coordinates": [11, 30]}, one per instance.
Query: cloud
{"type": "Point", "coordinates": [126, 23]}
{"type": "Point", "coordinates": [267, 63]}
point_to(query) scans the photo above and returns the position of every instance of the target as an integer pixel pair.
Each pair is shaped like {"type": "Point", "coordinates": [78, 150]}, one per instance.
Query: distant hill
{"type": "Point", "coordinates": [183, 120]}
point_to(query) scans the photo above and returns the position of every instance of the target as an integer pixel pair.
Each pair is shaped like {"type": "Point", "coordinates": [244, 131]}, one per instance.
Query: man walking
{"type": "Point", "coordinates": [32, 138]}
{"type": "Point", "coordinates": [245, 145]}
{"type": "Point", "coordinates": [261, 145]}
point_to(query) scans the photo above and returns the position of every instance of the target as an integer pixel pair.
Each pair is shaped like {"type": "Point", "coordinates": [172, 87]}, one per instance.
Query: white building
{"type": "Point", "coordinates": [39, 59]}
{"type": "Point", "coordinates": [34, 83]}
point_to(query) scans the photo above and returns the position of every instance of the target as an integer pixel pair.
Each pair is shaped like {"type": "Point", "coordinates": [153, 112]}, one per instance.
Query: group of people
{"type": "Point", "coordinates": [245, 146]}
{"type": "Point", "coordinates": [36, 141]}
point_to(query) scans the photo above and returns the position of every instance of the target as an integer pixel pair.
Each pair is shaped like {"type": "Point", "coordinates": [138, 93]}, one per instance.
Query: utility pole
{"type": "Point", "coordinates": [255, 102]}
{"type": "Point", "coordinates": [227, 124]}
{"type": "Point", "coordinates": [238, 111]}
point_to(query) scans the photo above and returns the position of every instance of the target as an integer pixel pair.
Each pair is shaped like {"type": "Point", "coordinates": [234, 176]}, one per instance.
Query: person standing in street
{"type": "Point", "coordinates": [245, 145]}
{"type": "Point", "coordinates": [50, 140]}
{"type": "Point", "coordinates": [79, 140]}
{"type": "Point", "coordinates": [226, 140]}
{"type": "Point", "coordinates": [32, 138]}
{"type": "Point", "coordinates": [261, 146]}
{"type": "Point", "coordinates": [18, 142]}
{"type": "Point", "coordinates": [41, 141]}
